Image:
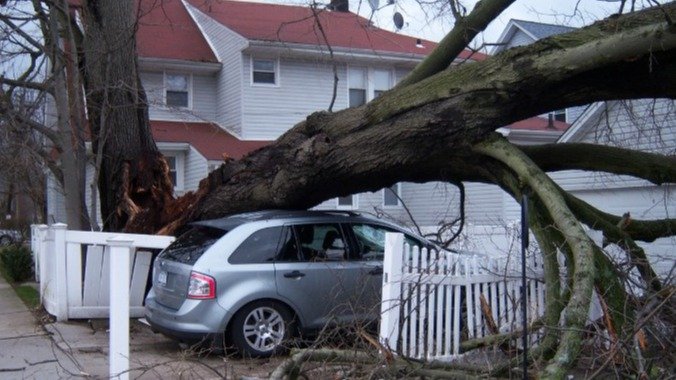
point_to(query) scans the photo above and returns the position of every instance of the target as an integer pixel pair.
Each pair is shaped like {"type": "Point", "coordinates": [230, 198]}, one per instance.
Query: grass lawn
{"type": "Point", "coordinates": [28, 294]}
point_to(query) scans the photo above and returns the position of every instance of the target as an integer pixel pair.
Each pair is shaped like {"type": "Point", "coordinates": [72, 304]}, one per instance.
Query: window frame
{"type": "Point", "coordinates": [179, 161]}
{"type": "Point", "coordinates": [369, 81]}
{"type": "Point", "coordinates": [189, 90]}
{"type": "Point", "coordinates": [398, 197]}
{"type": "Point", "coordinates": [276, 72]}
{"type": "Point", "coordinates": [563, 112]}
{"type": "Point", "coordinates": [353, 206]}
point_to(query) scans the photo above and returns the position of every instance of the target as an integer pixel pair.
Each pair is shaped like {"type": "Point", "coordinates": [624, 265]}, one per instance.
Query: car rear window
{"type": "Point", "coordinates": [190, 246]}
{"type": "Point", "coordinates": [260, 247]}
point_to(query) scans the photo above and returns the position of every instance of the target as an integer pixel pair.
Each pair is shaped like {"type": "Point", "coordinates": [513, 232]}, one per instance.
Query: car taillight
{"type": "Point", "coordinates": [201, 286]}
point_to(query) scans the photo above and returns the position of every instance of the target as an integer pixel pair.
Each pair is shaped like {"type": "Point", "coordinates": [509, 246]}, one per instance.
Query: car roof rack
{"type": "Point", "coordinates": [347, 212]}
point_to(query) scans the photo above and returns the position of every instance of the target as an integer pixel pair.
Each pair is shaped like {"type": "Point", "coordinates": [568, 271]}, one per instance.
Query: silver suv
{"type": "Point", "coordinates": [258, 279]}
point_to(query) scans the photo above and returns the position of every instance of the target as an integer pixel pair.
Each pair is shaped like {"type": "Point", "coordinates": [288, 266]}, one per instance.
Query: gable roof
{"type": "Point", "coordinates": [533, 30]}
{"type": "Point", "coordinates": [540, 30]}
{"type": "Point", "coordinates": [166, 30]}
{"type": "Point", "coordinates": [210, 140]}
{"type": "Point", "coordinates": [292, 24]}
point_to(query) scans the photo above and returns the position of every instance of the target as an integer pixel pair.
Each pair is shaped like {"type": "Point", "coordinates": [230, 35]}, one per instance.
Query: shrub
{"type": "Point", "coordinates": [17, 262]}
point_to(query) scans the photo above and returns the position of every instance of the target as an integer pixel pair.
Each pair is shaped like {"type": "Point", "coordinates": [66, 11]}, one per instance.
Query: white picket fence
{"type": "Point", "coordinates": [74, 269]}
{"type": "Point", "coordinates": [432, 301]}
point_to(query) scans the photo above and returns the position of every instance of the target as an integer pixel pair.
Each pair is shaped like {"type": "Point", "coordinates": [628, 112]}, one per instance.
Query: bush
{"type": "Point", "coordinates": [17, 262]}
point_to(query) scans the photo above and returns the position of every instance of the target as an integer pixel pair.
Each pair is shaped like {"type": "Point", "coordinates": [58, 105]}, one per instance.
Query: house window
{"type": "Point", "coordinates": [264, 71]}
{"type": "Point", "coordinates": [175, 163]}
{"type": "Point", "coordinates": [366, 84]}
{"type": "Point", "coordinates": [381, 82]}
{"type": "Point", "coordinates": [560, 115]}
{"type": "Point", "coordinates": [392, 195]}
{"type": "Point", "coordinates": [357, 86]}
{"type": "Point", "coordinates": [348, 202]}
{"type": "Point", "coordinates": [177, 92]}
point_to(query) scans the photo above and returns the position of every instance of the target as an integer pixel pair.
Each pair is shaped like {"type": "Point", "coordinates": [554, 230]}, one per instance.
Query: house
{"type": "Point", "coordinates": [224, 78]}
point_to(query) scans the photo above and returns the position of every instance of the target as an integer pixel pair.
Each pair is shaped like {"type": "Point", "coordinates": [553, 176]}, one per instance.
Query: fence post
{"type": "Point", "coordinates": [43, 235]}
{"type": "Point", "coordinates": [60, 290]}
{"type": "Point", "coordinates": [391, 298]}
{"type": "Point", "coordinates": [38, 232]}
{"type": "Point", "coordinates": [120, 252]}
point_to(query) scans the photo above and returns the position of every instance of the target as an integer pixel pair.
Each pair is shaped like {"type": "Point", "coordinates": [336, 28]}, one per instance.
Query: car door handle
{"type": "Point", "coordinates": [376, 271]}
{"type": "Point", "coordinates": [295, 274]}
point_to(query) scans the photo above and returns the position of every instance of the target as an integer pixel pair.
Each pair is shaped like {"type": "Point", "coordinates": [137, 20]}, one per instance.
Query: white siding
{"type": "Point", "coordinates": [646, 125]}
{"type": "Point", "coordinates": [303, 87]}
{"type": "Point", "coordinates": [195, 169]}
{"type": "Point", "coordinates": [202, 92]}
{"type": "Point", "coordinates": [56, 202]}
{"type": "Point", "coordinates": [519, 38]}
{"type": "Point", "coordinates": [227, 46]}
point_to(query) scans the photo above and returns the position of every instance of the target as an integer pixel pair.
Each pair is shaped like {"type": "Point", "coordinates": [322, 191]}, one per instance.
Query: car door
{"type": "Point", "coordinates": [315, 272]}
{"type": "Point", "coordinates": [369, 240]}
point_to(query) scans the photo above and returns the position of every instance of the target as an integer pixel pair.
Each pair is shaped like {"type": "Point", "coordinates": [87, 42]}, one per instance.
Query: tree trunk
{"type": "Point", "coordinates": [133, 175]}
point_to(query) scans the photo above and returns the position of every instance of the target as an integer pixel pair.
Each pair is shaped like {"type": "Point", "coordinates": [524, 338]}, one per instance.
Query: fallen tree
{"type": "Point", "coordinates": [438, 125]}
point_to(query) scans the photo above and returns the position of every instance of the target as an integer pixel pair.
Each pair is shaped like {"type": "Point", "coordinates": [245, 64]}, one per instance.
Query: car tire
{"type": "Point", "coordinates": [262, 329]}
{"type": "Point", "coordinates": [5, 240]}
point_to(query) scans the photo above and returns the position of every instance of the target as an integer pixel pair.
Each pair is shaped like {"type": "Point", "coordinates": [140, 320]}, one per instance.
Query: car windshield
{"type": "Point", "coordinates": [191, 245]}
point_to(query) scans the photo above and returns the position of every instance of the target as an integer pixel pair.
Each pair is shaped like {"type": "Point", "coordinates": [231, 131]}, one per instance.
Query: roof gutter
{"type": "Point", "coordinates": [339, 53]}
{"type": "Point", "coordinates": [195, 67]}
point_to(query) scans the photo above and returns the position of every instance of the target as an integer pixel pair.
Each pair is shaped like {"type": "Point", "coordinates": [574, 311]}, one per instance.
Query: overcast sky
{"type": "Point", "coordinates": [432, 24]}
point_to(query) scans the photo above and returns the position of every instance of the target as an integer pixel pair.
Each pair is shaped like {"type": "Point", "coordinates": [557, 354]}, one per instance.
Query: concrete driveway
{"type": "Point", "coordinates": [79, 349]}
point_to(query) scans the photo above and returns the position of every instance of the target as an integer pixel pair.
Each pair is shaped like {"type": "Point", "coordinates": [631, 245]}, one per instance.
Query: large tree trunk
{"type": "Point", "coordinates": [133, 175]}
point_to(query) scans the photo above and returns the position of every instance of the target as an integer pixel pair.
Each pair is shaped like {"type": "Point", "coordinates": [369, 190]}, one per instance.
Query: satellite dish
{"type": "Point", "coordinates": [398, 20]}
{"type": "Point", "coordinates": [374, 5]}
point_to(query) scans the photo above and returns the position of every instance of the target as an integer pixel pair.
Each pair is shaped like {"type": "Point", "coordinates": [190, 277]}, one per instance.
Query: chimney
{"type": "Point", "coordinates": [340, 5]}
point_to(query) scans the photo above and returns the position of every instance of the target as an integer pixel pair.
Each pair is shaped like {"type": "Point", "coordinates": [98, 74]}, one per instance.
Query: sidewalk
{"type": "Point", "coordinates": [79, 349]}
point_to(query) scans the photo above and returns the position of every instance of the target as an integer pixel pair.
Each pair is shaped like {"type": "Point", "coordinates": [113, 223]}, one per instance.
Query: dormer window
{"type": "Point", "coordinates": [264, 71]}
{"type": "Point", "coordinates": [177, 93]}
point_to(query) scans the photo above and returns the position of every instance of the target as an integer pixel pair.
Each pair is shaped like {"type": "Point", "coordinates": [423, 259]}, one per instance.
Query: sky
{"type": "Point", "coordinates": [429, 23]}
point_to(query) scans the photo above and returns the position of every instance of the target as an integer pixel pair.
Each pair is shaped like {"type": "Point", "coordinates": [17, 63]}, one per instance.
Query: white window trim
{"type": "Point", "coordinates": [251, 72]}
{"type": "Point", "coordinates": [370, 85]}
{"type": "Point", "coordinates": [180, 169]}
{"type": "Point", "coordinates": [565, 113]}
{"type": "Point", "coordinates": [398, 205]}
{"type": "Point", "coordinates": [354, 206]}
{"type": "Point", "coordinates": [165, 87]}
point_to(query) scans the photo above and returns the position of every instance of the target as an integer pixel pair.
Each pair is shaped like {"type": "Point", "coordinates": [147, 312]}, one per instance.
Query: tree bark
{"type": "Point", "coordinates": [133, 176]}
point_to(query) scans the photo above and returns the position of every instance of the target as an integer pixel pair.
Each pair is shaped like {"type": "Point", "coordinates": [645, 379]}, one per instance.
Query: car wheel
{"type": "Point", "coordinates": [5, 240]}
{"type": "Point", "coordinates": [262, 329]}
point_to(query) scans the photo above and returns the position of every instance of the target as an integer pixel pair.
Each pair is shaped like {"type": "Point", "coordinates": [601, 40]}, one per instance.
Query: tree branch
{"type": "Point", "coordinates": [653, 167]}
{"type": "Point", "coordinates": [463, 32]}
{"type": "Point", "coordinates": [579, 242]}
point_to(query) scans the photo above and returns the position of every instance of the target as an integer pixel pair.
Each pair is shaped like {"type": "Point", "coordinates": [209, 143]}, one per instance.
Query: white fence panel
{"type": "Point", "coordinates": [433, 299]}
{"type": "Point", "coordinates": [74, 270]}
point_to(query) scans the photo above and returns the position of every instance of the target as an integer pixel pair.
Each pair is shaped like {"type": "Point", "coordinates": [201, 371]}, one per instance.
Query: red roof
{"type": "Point", "coordinates": [297, 24]}
{"type": "Point", "coordinates": [539, 124]}
{"type": "Point", "coordinates": [210, 140]}
{"type": "Point", "coordinates": [166, 30]}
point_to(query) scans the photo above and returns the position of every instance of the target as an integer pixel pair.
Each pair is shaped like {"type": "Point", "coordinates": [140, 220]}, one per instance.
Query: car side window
{"type": "Point", "coordinates": [260, 247]}
{"type": "Point", "coordinates": [288, 249]}
{"type": "Point", "coordinates": [371, 240]}
{"type": "Point", "coordinates": [321, 242]}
